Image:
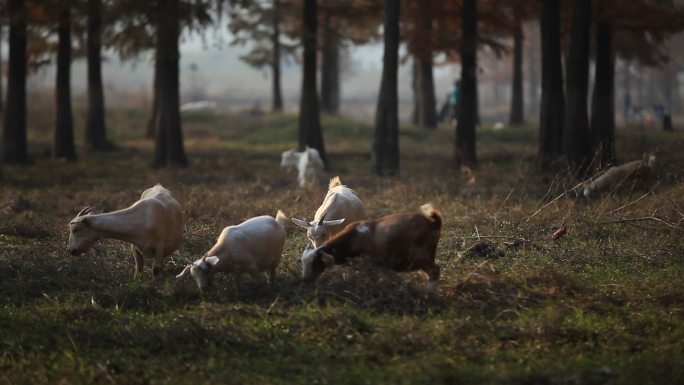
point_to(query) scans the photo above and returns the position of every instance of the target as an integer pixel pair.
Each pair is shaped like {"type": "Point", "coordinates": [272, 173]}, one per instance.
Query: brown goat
{"type": "Point", "coordinates": [401, 242]}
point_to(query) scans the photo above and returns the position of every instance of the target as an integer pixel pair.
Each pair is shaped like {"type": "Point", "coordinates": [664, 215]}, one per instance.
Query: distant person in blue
{"type": "Point", "coordinates": [450, 107]}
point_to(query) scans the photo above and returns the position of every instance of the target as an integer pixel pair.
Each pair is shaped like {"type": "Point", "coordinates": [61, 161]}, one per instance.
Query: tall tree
{"type": "Point", "coordinates": [310, 133]}
{"type": "Point", "coordinates": [425, 83]}
{"type": "Point", "coordinates": [576, 139]}
{"type": "Point", "coordinates": [64, 129]}
{"type": "Point", "coordinates": [465, 153]}
{"type": "Point", "coordinates": [96, 132]}
{"type": "Point", "coordinates": [552, 97]}
{"type": "Point", "coordinates": [14, 133]}
{"type": "Point", "coordinates": [260, 24]}
{"type": "Point", "coordinates": [277, 94]}
{"type": "Point", "coordinates": [330, 66]}
{"type": "Point", "coordinates": [603, 101]}
{"type": "Point", "coordinates": [385, 154]}
{"type": "Point", "coordinates": [169, 150]}
{"type": "Point", "coordinates": [517, 102]}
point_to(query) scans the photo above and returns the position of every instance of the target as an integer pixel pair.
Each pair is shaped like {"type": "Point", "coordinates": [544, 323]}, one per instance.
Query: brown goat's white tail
{"type": "Point", "coordinates": [281, 218]}
{"type": "Point", "coordinates": [431, 213]}
{"type": "Point", "coordinates": [334, 182]}
{"type": "Point", "coordinates": [651, 160]}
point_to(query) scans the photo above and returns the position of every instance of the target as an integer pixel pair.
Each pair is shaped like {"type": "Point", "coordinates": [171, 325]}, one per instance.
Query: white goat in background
{"type": "Point", "coordinates": [255, 246]}
{"type": "Point", "coordinates": [153, 225]}
{"type": "Point", "coordinates": [309, 165]}
{"type": "Point", "coordinates": [628, 176]}
{"type": "Point", "coordinates": [341, 206]}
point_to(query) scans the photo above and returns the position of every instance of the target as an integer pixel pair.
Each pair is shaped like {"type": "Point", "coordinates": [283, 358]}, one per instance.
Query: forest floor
{"type": "Point", "coordinates": [602, 305]}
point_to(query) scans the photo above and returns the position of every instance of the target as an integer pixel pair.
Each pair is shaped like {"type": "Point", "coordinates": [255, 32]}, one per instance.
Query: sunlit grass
{"type": "Point", "coordinates": [604, 304]}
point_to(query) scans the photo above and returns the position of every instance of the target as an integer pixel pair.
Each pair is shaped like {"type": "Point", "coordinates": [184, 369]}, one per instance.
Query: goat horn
{"type": "Point", "coordinates": [85, 210]}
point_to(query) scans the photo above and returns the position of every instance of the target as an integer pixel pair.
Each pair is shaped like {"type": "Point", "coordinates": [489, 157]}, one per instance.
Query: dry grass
{"type": "Point", "coordinates": [603, 304]}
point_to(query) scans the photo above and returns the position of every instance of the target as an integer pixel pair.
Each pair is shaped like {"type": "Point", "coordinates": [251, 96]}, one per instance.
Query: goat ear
{"type": "Point", "coordinates": [333, 223]}
{"type": "Point", "coordinates": [213, 260]}
{"type": "Point", "coordinates": [184, 272]}
{"type": "Point", "coordinates": [300, 222]}
{"type": "Point", "coordinates": [328, 260]}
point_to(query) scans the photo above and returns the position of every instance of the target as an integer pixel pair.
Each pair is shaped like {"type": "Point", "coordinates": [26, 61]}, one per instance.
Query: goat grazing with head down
{"type": "Point", "coordinates": [255, 246]}
{"type": "Point", "coordinates": [309, 165]}
{"type": "Point", "coordinates": [153, 225]}
{"type": "Point", "coordinates": [401, 242]}
{"type": "Point", "coordinates": [628, 176]}
{"type": "Point", "coordinates": [340, 206]}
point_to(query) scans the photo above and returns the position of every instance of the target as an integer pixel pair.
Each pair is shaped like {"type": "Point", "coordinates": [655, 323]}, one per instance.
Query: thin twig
{"type": "Point", "coordinates": [554, 200]}
{"type": "Point", "coordinates": [640, 219]}
{"type": "Point", "coordinates": [628, 204]}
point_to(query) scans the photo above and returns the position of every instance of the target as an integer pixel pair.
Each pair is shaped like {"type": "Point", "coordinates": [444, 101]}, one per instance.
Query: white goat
{"type": "Point", "coordinates": [254, 246]}
{"type": "Point", "coordinates": [631, 175]}
{"type": "Point", "coordinates": [340, 206]}
{"type": "Point", "coordinates": [153, 224]}
{"type": "Point", "coordinates": [308, 163]}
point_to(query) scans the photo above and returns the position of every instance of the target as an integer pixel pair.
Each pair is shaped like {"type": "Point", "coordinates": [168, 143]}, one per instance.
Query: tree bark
{"type": "Point", "coordinates": [603, 101]}
{"type": "Point", "coordinates": [465, 153]}
{"type": "Point", "coordinates": [310, 133]}
{"type": "Point", "coordinates": [169, 150]}
{"type": "Point", "coordinates": [14, 133]}
{"type": "Point", "coordinates": [277, 97]}
{"type": "Point", "coordinates": [154, 113]}
{"type": "Point", "coordinates": [415, 87]}
{"type": "Point", "coordinates": [517, 102]}
{"type": "Point", "coordinates": [330, 68]}
{"type": "Point", "coordinates": [2, 36]}
{"type": "Point", "coordinates": [576, 139]}
{"type": "Point", "coordinates": [64, 130]}
{"type": "Point", "coordinates": [533, 75]}
{"type": "Point", "coordinates": [427, 112]}
{"type": "Point", "coordinates": [385, 155]}
{"type": "Point", "coordinates": [96, 131]}
{"type": "Point", "coordinates": [552, 108]}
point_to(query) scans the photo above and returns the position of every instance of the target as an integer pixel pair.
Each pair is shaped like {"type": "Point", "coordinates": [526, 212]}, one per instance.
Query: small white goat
{"type": "Point", "coordinates": [629, 176]}
{"type": "Point", "coordinates": [340, 206]}
{"type": "Point", "coordinates": [308, 163]}
{"type": "Point", "coordinates": [254, 246]}
{"type": "Point", "coordinates": [153, 224]}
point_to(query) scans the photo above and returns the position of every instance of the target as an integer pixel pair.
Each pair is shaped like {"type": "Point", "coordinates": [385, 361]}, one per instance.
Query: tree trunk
{"type": "Point", "coordinates": [96, 132]}
{"type": "Point", "coordinates": [277, 97]}
{"type": "Point", "coordinates": [576, 139]}
{"type": "Point", "coordinates": [517, 102]}
{"type": "Point", "coordinates": [533, 73]}
{"type": "Point", "coordinates": [2, 73]}
{"type": "Point", "coordinates": [415, 87]}
{"type": "Point", "coordinates": [465, 153]}
{"type": "Point", "coordinates": [385, 155]}
{"type": "Point", "coordinates": [330, 69]}
{"type": "Point", "coordinates": [14, 133]}
{"type": "Point", "coordinates": [427, 113]}
{"type": "Point", "coordinates": [603, 101]}
{"type": "Point", "coordinates": [552, 96]}
{"type": "Point", "coordinates": [169, 149]}
{"type": "Point", "coordinates": [310, 133]}
{"type": "Point", "coordinates": [64, 130]}
{"type": "Point", "coordinates": [154, 114]}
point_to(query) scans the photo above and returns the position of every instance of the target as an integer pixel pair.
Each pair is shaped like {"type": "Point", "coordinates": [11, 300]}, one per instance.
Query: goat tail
{"type": "Point", "coordinates": [651, 160]}
{"type": "Point", "coordinates": [334, 182]}
{"type": "Point", "coordinates": [432, 213]}
{"type": "Point", "coordinates": [281, 218]}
